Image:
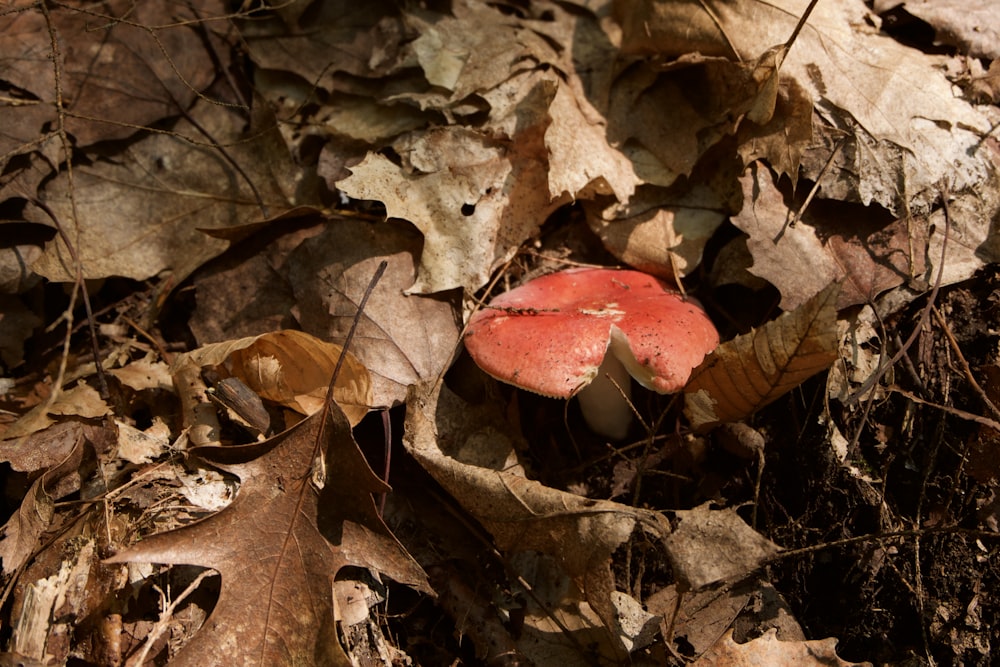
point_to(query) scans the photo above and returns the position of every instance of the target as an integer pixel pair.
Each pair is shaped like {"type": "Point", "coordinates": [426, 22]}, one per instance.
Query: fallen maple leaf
{"type": "Point", "coordinates": [752, 370]}
{"type": "Point", "coordinates": [279, 546]}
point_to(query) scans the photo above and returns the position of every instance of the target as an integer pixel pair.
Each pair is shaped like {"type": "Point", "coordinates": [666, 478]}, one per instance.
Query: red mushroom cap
{"type": "Point", "coordinates": [551, 334]}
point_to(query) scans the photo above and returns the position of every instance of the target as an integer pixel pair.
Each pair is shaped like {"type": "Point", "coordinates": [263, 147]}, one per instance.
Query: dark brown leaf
{"type": "Point", "coordinates": [279, 546]}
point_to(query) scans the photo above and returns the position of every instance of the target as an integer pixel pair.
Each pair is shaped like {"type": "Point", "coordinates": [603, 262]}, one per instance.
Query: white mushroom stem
{"type": "Point", "coordinates": [605, 409]}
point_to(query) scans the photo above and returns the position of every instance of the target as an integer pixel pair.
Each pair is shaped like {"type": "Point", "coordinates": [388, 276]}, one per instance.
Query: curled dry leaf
{"type": "Point", "coordinates": [22, 531]}
{"type": "Point", "coordinates": [752, 370]}
{"type": "Point", "coordinates": [579, 534]}
{"type": "Point", "coordinates": [292, 369]}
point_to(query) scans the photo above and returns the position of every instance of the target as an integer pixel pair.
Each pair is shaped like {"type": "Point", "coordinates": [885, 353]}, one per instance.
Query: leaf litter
{"type": "Point", "coordinates": [829, 199]}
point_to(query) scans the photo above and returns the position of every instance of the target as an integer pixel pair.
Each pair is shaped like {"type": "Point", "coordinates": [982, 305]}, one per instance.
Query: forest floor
{"type": "Point", "coordinates": [240, 253]}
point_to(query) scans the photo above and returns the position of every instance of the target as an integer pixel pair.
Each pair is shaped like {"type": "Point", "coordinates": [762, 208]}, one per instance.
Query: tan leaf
{"type": "Point", "coordinates": [893, 102]}
{"type": "Point", "coordinates": [970, 25]}
{"type": "Point", "coordinates": [292, 369]}
{"type": "Point", "coordinates": [476, 199]}
{"type": "Point", "coordinates": [748, 372]}
{"type": "Point", "coordinates": [401, 339]}
{"type": "Point", "coordinates": [144, 374]}
{"type": "Point", "coordinates": [769, 650]}
{"type": "Point", "coordinates": [866, 249]}
{"type": "Point", "coordinates": [279, 546]}
{"type": "Point", "coordinates": [143, 213]}
{"type": "Point", "coordinates": [79, 401]}
{"type": "Point", "coordinates": [579, 152]}
{"type": "Point", "coordinates": [659, 232]}
{"type": "Point", "coordinates": [708, 546]}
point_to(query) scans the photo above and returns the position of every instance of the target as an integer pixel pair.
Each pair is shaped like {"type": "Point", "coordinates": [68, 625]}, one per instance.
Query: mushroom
{"type": "Point", "coordinates": [568, 333]}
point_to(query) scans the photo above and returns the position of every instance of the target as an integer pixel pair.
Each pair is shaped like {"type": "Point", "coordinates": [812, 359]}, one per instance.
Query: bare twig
{"type": "Point", "coordinates": [78, 285]}
{"type": "Point", "coordinates": [166, 615]}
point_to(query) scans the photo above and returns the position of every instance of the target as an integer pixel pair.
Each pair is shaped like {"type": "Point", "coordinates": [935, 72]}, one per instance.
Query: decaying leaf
{"type": "Point", "coordinates": [769, 650]}
{"type": "Point", "coordinates": [79, 401]}
{"type": "Point", "coordinates": [22, 531]}
{"type": "Point", "coordinates": [714, 545]}
{"type": "Point", "coordinates": [748, 372]}
{"type": "Point", "coordinates": [579, 151]}
{"type": "Point", "coordinates": [862, 247]}
{"type": "Point", "coordinates": [51, 605]}
{"type": "Point", "coordinates": [116, 78]}
{"type": "Point", "coordinates": [523, 515]}
{"type": "Point", "coordinates": [144, 374]}
{"type": "Point", "coordinates": [465, 450]}
{"type": "Point", "coordinates": [276, 604]}
{"type": "Point", "coordinates": [659, 232]}
{"type": "Point", "coordinates": [401, 339]}
{"type": "Point", "coordinates": [894, 104]}
{"type": "Point", "coordinates": [145, 213]}
{"type": "Point", "coordinates": [971, 25]}
{"type": "Point", "coordinates": [451, 188]}
{"type": "Point", "coordinates": [292, 369]}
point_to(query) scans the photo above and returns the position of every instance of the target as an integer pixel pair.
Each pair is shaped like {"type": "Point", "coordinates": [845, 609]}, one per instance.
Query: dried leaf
{"type": "Point", "coordinates": [276, 604]}
{"type": "Point", "coordinates": [579, 151]}
{"type": "Point", "coordinates": [861, 247]}
{"type": "Point", "coordinates": [708, 546]}
{"type": "Point", "coordinates": [752, 370]}
{"type": "Point", "coordinates": [342, 36]}
{"type": "Point", "coordinates": [114, 70]}
{"type": "Point", "coordinates": [144, 374]}
{"type": "Point", "coordinates": [22, 531]}
{"type": "Point", "coordinates": [769, 650]}
{"type": "Point", "coordinates": [892, 101]}
{"type": "Point", "coordinates": [401, 339]}
{"type": "Point", "coordinates": [144, 213]}
{"type": "Point", "coordinates": [79, 401]}
{"type": "Point", "coordinates": [580, 534]}
{"type": "Point", "coordinates": [452, 188]}
{"type": "Point", "coordinates": [291, 368]}
{"type": "Point", "coordinates": [970, 25]}
{"type": "Point", "coordinates": [659, 232]}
